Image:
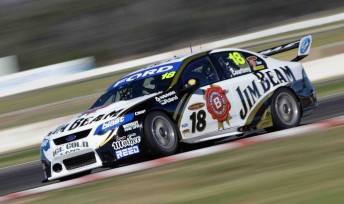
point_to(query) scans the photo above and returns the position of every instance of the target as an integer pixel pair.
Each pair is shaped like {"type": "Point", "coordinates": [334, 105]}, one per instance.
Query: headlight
{"type": "Point", "coordinates": [45, 145]}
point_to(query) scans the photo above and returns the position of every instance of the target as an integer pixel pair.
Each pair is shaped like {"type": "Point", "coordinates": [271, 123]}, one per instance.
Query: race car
{"type": "Point", "coordinates": [189, 99]}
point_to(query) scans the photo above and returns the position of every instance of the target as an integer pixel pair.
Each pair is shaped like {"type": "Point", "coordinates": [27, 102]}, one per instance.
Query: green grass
{"type": "Point", "coordinates": [19, 157]}
{"type": "Point", "coordinates": [326, 89]}
{"type": "Point", "coordinates": [307, 169]}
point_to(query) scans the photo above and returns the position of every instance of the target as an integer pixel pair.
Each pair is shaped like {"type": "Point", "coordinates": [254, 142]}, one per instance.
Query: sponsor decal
{"type": "Point", "coordinates": [70, 138]}
{"type": "Point", "coordinates": [61, 128]}
{"type": "Point", "coordinates": [70, 147]}
{"type": "Point", "coordinates": [86, 121]}
{"type": "Point", "coordinates": [113, 124]}
{"type": "Point", "coordinates": [145, 73]}
{"type": "Point", "coordinates": [186, 131]}
{"type": "Point", "coordinates": [185, 125]}
{"type": "Point", "coordinates": [140, 112]}
{"type": "Point", "coordinates": [167, 98]}
{"type": "Point", "coordinates": [126, 141]}
{"type": "Point", "coordinates": [131, 126]}
{"type": "Point", "coordinates": [255, 63]}
{"type": "Point", "coordinates": [304, 45]}
{"type": "Point", "coordinates": [218, 105]}
{"type": "Point", "coordinates": [82, 122]}
{"type": "Point", "coordinates": [127, 151]}
{"type": "Point", "coordinates": [253, 92]}
{"type": "Point", "coordinates": [196, 106]}
{"type": "Point", "coordinates": [93, 110]}
{"type": "Point", "coordinates": [241, 71]}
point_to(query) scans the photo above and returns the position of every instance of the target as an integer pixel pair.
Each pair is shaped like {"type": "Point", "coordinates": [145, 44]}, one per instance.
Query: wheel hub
{"type": "Point", "coordinates": [162, 132]}
{"type": "Point", "coordinates": [286, 109]}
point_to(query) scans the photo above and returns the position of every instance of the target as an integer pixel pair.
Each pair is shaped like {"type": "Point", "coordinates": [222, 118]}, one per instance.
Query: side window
{"type": "Point", "coordinates": [233, 62]}
{"type": "Point", "coordinates": [200, 69]}
{"type": "Point", "coordinates": [237, 63]}
{"type": "Point", "coordinates": [256, 63]}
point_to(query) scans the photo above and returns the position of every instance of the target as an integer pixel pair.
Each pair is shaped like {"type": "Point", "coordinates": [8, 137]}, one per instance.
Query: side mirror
{"type": "Point", "coordinates": [191, 84]}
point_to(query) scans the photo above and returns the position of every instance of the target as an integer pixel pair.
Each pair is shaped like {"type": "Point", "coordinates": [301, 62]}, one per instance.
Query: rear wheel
{"type": "Point", "coordinates": [161, 134]}
{"type": "Point", "coordinates": [285, 109]}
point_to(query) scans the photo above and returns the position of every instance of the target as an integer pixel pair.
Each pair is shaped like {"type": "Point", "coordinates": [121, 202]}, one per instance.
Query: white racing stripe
{"type": "Point", "coordinates": [294, 132]}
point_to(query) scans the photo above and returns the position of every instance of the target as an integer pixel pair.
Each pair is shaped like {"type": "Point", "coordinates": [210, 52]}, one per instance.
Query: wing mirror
{"type": "Point", "coordinates": [191, 84]}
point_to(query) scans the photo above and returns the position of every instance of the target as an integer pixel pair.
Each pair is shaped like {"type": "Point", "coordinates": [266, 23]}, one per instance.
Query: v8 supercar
{"type": "Point", "coordinates": [190, 99]}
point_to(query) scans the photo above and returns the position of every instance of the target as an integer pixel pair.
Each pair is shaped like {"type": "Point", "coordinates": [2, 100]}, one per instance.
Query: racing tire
{"type": "Point", "coordinates": [161, 134]}
{"type": "Point", "coordinates": [285, 110]}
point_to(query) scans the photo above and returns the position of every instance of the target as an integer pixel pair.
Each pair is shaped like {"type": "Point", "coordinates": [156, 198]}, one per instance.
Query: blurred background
{"type": "Point", "coordinates": [41, 32]}
{"type": "Point", "coordinates": [51, 41]}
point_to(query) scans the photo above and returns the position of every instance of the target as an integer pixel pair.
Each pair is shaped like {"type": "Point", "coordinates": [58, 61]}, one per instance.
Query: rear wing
{"type": "Point", "coordinates": [303, 45]}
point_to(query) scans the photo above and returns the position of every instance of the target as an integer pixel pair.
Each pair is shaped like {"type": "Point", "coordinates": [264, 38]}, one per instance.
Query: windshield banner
{"type": "Point", "coordinates": [146, 73]}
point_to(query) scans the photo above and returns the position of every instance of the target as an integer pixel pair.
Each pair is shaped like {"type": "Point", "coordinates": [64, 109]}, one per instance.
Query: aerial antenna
{"type": "Point", "coordinates": [190, 47]}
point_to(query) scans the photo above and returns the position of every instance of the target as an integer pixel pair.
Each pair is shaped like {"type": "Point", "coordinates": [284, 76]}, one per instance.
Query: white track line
{"type": "Point", "coordinates": [179, 157]}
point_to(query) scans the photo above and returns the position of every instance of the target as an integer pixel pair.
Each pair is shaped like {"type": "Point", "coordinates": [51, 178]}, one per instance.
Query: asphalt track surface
{"type": "Point", "coordinates": [29, 175]}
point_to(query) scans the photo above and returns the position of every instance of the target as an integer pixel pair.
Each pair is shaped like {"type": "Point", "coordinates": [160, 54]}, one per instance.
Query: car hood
{"type": "Point", "coordinates": [95, 117]}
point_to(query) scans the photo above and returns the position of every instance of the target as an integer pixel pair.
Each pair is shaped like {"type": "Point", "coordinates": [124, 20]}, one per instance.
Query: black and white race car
{"type": "Point", "coordinates": [190, 99]}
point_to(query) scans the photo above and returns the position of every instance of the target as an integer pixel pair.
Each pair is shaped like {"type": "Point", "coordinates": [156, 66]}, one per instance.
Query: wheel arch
{"type": "Point", "coordinates": [170, 115]}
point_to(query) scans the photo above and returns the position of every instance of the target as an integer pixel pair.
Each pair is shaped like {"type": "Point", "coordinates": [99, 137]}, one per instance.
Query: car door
{"type": "Point", "coordinates": [240, 69]}
{"type": "Point", "coordinates": [208, 109]}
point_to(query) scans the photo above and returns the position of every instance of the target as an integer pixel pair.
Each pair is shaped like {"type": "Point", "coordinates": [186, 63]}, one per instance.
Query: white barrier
{"type": "Point", "coordinates": [28, 80]}
{"type": "Point", "coordinates": [8, 65]}
{"type": "Point", "coordinates": [28, 135]}
{"type": "Point", "coordinates": [147, 60]}
{"type": "Point", "coordinates": [327, 67]}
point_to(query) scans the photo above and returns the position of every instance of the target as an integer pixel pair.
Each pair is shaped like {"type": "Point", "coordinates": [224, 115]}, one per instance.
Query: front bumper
{"type": "Point", "coordinates": [81, 161]}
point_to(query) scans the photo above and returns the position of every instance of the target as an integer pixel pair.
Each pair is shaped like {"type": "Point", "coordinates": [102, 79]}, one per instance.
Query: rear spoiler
{"type": "Point", "coordinates": [303, 45]}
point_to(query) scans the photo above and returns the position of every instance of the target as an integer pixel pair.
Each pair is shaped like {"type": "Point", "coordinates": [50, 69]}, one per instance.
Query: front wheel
{"type": "Point", "coordinates": [285, 110]}
{"type": "Point", "coordinates": [161, 134]}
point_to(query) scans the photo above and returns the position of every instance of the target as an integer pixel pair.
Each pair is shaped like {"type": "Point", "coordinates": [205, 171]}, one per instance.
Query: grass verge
{"type": "Point", "coordinates": [19, 157]}
{"type": "Point", "coordinates": [305, 169]}
{"type": "Point", "coordinates": [329, 88]}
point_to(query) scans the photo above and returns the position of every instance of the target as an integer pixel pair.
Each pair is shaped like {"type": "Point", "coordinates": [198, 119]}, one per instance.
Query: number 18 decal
{"type": "Point", "coordinates": [198, 121]}
{"type": "Point", "coordinates": [237, 58]}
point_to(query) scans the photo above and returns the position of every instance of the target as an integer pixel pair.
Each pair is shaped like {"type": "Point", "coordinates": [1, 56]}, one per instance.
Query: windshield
{"type": "Point", "coordinates": [134, 89]}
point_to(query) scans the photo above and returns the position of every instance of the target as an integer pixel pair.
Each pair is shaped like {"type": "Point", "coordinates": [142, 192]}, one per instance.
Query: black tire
{"type": "Point", "coordinates": [285, 110]}
{"type": "Point", "coordinates": [161, 134]}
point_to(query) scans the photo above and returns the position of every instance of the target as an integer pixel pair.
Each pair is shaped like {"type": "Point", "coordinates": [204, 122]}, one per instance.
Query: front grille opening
{"type": "Point", "coordinates": [80, 161]}
{"type": "Point", "coordinates": [78, 135]}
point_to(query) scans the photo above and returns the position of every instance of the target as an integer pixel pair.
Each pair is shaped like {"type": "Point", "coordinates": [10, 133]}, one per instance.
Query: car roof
{"type": "Point", "coordinates": [174, 60]}
{"type": "Point", "coordinates": [153, 69]}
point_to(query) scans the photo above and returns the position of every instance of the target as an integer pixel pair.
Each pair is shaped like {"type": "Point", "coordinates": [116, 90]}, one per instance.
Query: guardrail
{"type": "Point", "coordinates": [37, 78]}
{"type": "Point", "coordinates": [146, 60]}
